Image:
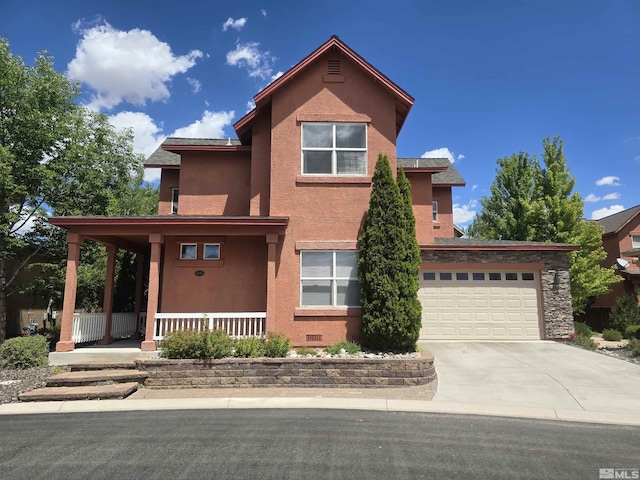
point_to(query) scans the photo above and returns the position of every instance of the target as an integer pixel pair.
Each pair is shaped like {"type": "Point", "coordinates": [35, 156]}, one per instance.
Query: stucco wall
{"type": "Point", "coordinates": [556, 291]}
{"type": "Point", "coordinates": [422, 198]}
{"type": "Point", "coordinates": [443, 228]}
{"type": "Point", "coordinates": [169, 179]}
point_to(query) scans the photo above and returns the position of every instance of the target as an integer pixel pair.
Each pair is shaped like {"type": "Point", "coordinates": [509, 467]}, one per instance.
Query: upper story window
{"type": "Point", "coordinates": [334, 148]}
{"type": "Point", "coordinates": [174, 200]}
{"type": "Point", "coordinates": [434, 206]}
{"type": "Point", "coordinates": [635, 241]}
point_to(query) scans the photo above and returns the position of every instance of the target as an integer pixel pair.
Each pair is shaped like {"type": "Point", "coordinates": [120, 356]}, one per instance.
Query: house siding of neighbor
{"type": "Point", "coordinates": [269, 222]}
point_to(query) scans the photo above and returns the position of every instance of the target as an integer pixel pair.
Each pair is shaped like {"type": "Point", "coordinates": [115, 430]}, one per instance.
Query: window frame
{"type": "Point", "coordinates": [334, 279]}
{"type": "Point", "coordinates": [634, 243]}
{"type": "Point", "coordinates": [434, 208]}
{"type": "Point", "coordinates": [334, 149]}
{"type": "Point", "coordinates": [204, 251]}
{"type": "Point", "coordinates": [175, 194]}
{"type": "Point", "coordinates": [187, 244]}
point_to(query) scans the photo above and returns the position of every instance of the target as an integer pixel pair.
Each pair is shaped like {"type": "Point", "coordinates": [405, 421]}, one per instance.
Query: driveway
{"type": "Point", "coordinates": [534, 374]}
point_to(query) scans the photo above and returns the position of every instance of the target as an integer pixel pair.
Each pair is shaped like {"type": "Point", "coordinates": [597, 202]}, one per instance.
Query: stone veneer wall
{"type": "Point", "coordinates": [289, 372]}
{"type": "Point", "coordinates": [556, 294]}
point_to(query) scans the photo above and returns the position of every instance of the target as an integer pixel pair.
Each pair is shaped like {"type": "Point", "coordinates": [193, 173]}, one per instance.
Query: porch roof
{"type": "Point", "coordinates": [132, 233]}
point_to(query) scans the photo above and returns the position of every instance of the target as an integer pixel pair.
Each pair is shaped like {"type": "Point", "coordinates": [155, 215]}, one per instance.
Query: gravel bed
{"type": "Point", "coordinates": [13, 382]}
{"type": "Point", "coordinates": [621, 353]}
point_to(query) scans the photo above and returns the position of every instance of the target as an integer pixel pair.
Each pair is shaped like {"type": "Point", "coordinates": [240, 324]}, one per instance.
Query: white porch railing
{"type": "Point", "coordinates": [242, 324]}
{"type": "Point", "coordinates": [89, 327]}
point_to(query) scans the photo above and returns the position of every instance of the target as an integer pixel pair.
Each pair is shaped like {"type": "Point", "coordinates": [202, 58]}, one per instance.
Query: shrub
{"type": "Point", "coordinates": [612, 335]}
{"type": "Point", "coordinates": [348, 347]}
{"type": "Point", "coordinates": [249, 347]}
{"type": "Point", "coordinates": [582, 329]}
{"type": "Point", "coordinates": [25, 352]}
{"type": "Point", "coordinates": [632, 331]}
{"type": "Point", "coordinates": [197, 345]}
{"type": "Point", "coordinates": [276, 345]}
{"type": "Point", "coordinates": [634, 346]}
{"type": "Point", "coordinates": [306, 351]}
{"type": "Point", "coordinates": [52, 335]}
{"type": "Point", "coordinates": [624, 313]}
{"type": "Point", "coordinates": [584, 342]}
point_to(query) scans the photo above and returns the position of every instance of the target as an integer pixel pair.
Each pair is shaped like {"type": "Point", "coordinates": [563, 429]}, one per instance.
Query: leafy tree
{"type": "Point", "coordinates": [55, 158]}
{"type": "Point", "coordinates": [383, 267]}
{"type": "Point", "coordinates": [625, 313]}
{"type": "Point", "coordinates": [533, 203]}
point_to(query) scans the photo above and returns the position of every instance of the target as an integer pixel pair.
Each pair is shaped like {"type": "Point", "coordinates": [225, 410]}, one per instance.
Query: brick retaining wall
{"type": "Point", "coordinates": [289, 372]}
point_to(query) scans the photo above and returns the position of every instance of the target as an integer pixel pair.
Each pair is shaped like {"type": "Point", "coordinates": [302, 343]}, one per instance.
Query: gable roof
{"type": "Point", "coordinates": [614, 223]}
{"type": "Point", "coordinates": [404, 101]}
{"type": "Point", "coordinates": [450, 177]}
{"type": "Point", "coordinates": [164, 155]}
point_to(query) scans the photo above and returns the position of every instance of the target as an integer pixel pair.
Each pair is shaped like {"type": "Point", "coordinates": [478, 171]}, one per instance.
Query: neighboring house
{"type": "Point", "coordinates": [260, 232]}
{"type": "Point", "coordinates": [621, 240]}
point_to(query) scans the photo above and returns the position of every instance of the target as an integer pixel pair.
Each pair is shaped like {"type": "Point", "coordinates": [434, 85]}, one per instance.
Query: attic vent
{"type": "Point", "coordinates": [314, 338]}
{"type": "Point", "coordinates": [333, 68]}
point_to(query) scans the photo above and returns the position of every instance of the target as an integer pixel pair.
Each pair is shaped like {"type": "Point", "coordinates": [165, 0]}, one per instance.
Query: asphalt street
{"type": "Point", "coordinates": [306, 444]}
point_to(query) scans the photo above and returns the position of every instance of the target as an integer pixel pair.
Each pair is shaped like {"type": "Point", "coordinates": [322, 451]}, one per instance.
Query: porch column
{"type": "Point", "coordinates": [65, 344]}
{"type": "Point", "coordinates": [107, 303]}
{"type": "Point", "coordinates": [272, 244]}
{"type": "Point", "coordinates": [156, 241]}
{"type": "Point", "coordinates": [137, 306]}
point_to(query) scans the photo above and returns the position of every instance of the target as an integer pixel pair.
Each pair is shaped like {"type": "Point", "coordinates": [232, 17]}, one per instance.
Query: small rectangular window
{"type": "Point", "coordinates": [511, 276]}
{"type": "Point", "coordinates": [495, 276]}
{"type": "Point", "coordinates": [445, 276]}
{"type": "Point", "coordinates": [211, 251]}
{"type": "Point", "coordinates": [188, 251]}
{"type": "Point", "coordinates": [429, 276]}
{"type": "Point", "coordinates": [174, 200]}
{"type": "Point", "coordinates": [527, 276]}
{"type": "Point", "coordinates": [478, 276]}
{"type": "Point", "coordinates": [462, 276]}
{"type": "Point", "coordinates": [635, 241]}
{"type": "Point", "coordinates": [434, 206]}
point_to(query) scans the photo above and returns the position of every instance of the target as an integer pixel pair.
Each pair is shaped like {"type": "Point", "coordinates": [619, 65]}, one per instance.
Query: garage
{"type": "Point", "coordinates": [480, 305]}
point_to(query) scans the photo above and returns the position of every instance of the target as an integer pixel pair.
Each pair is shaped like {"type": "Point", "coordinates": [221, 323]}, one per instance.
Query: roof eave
{"type": "Point", "coordinates": [206, 148]}
{"type": "Point", "coordinates": [559, 248]}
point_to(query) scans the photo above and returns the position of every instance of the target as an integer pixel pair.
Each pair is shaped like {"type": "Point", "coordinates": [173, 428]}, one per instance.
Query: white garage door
{"type": "Point", "coordinates": [482, 305]}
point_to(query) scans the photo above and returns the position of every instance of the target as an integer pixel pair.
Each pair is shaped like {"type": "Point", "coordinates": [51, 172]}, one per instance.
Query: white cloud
{"type": "Point", "coordinates": [463, 214]}
{"type": "Point", "coordinates": [460, 157]}
{"type": "Point", "coordinates": [126, 66]}
{"type": "Point", "coordinates": [231, 23]}
{"type": "Point", "coordinates": [606, 211]}
{"type": "Point", "coordinates": [277, 75]}
{"type": "Point", "coordinates": [263, 12]}
{"type": "Point", "coordinates": [612, 196]}
{"type": "Point", "coordinates": [248, 55]}
{"type": "Point", "coordinates": [250, 105]}
{"type": "Point", "coordinates": [611, 180]}
{"type": "Point", "coordinates": [147, 136]}
{"type": "Point", "coordinates": [443, 152]}
{"type": "Point", "coordinates": [195, 84]}
{"type": "Point", "coordinates": [591, 198]}
{"type": "Point", "coordinates": [211, 125]}
{"type": "Point", "coordinates": [474, 187]}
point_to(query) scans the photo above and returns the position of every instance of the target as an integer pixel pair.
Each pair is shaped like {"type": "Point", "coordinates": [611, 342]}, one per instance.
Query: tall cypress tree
{"type": "Point", "coordinates": [382, 266]}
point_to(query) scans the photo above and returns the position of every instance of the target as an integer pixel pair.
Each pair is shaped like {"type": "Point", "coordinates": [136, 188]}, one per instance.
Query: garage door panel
{"type": "Point", "coordinates": [479, 309]}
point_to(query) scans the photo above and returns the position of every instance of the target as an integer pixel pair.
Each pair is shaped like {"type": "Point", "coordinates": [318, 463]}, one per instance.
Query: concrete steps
{"type": "Point", "coordinates": [90, 380]}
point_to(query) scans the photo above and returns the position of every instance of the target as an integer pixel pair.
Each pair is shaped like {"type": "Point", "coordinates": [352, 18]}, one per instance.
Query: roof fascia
{"type": "Point", "coordinates": [206, 148]}
{"type": "Point", "coordinates": [424, 169]}
{"type": "Point", "coordinates": [559, 248]}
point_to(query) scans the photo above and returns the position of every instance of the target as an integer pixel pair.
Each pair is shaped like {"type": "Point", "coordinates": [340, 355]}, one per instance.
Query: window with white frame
{"type": "Point", "coordinates": [635, 241]}
{"type": "Point", "coordinates": [434, 206]}
{"type": "Point", "coordinates": [329, 279]}
{"type": "Point", "coordinates": [188, 251]}
{"type": "Point", "coordinates": [334, 148]}
{"type": "Point", "coordinates": [211, 251]}
{"type": "Point", "coordinates": [174, 200]}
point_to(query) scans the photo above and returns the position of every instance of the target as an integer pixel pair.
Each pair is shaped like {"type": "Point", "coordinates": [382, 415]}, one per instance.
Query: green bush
{"type": "Point", "coordinates": [52, 335]}
{"type": "Point", "coordinates": [612, 335]}
{"type": "Point", "coordinates": [632, 331]}
{"type": "Point", "coordinates": [276, 345]}
{"type": "Point", "coordinates": [624, 313]}
{"type": "Point", "coordinates": [306, 351]}
{"type": "Point", "coordinates": [25, 352]}
{"type": "Point", "coordinates": [191, 344]}
{"type": "Point", "coordinates": [582, 329]}
{"type": "Point", "coordinates": [249, 347]}
{"type": "Point", "coordinates": [634, 346]}
{"type": "Point", "coordinates": [348, 347]}
{"type": "Point", "coordinates": [584, 342]}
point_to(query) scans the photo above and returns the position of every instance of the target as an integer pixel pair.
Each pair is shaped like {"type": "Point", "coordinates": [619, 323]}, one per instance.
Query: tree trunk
{"type": "Point", "coordinates": [3, 301]}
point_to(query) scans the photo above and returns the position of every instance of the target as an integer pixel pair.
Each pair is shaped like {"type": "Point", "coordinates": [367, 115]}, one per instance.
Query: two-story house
{"type": "Point", "coordinates": [259, 233]}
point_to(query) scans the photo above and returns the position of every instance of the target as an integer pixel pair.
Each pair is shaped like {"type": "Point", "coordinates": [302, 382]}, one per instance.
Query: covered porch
{"type": "Point", "coordinates": [186, 289]}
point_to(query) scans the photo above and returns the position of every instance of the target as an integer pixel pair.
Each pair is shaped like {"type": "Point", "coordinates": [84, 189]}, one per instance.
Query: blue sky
{"type": "Point", "coordinates": [489, 78]}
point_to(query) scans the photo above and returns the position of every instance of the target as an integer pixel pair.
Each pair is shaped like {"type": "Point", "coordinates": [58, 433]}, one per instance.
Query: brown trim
{"type": "Point", "coordinates": [332, 117]}
{"type": "Point", "coordinates": [326, 245]}
{"type": "Point", "coordinates": [199, 239]}
{"type": "Point", "coordinates": [476, 266]}
{"type": "Point", "coordinates": [327, 312]}
{"type": "Point", "coordinates": [164, 167]}
{"type": "Point", "coordinates": [423, 169]}
{"type": "Point", "coordinates": [206, 148]}
{"type": "Point", "coordinates": [557, 248]}
{"type": "Point", "coordinates": [169, 220]}
{"type": "Point", "coordinates": [449, 184]}
{"type": "Point", "coordinates": [364, 180]}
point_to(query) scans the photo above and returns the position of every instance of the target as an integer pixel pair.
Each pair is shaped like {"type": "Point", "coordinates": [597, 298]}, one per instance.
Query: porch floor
{"type": "Point", "coordinates": [125, 350]}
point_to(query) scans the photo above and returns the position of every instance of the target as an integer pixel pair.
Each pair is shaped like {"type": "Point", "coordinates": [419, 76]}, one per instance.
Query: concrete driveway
{"type": "Point", "coordinates": [534, 374]}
